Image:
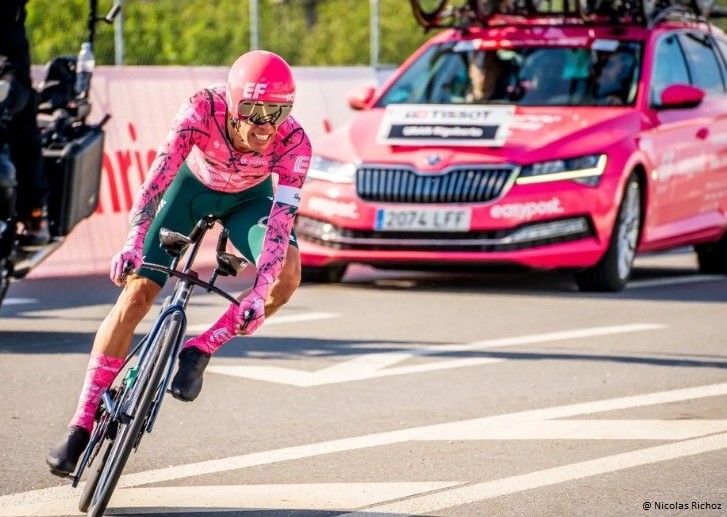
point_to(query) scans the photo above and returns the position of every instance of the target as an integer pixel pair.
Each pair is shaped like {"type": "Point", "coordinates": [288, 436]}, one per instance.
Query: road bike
{"type": "Point", "coordinates": [129, 409]}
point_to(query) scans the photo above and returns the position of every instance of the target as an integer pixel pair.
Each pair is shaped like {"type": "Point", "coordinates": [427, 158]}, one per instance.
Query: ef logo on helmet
{"type": "Point", "coordinates": [254, 90]}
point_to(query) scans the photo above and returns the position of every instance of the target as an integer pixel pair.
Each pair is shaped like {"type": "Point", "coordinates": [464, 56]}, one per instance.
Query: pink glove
{"type": "Point", "coordinates": [252, 305]}
{"type": "Point", "coordinates": [131, 253]}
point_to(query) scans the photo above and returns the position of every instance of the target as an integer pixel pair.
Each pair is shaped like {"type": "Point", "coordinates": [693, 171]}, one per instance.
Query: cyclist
{"type": "Point", "coordinates": [19, 126]}
{"type": "Point", "coordinates": [225, 142]}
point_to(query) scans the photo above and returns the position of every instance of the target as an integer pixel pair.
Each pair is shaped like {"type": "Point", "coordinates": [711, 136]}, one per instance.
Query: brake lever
{"type": "Point", "coordinates": [247, 318]}
{"type": "Point", "coordinates": [128, 268]}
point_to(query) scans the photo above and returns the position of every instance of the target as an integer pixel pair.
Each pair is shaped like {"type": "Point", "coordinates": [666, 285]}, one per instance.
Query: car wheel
{"type": "Point", "coordinates": [712, 258]}
{"type": "Point", "coordinates": [324, 275]}
{"type": "Point", "coordinates": [613, 271]}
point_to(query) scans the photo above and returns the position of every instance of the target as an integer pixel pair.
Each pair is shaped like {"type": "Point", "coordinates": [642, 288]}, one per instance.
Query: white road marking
{"type": "Point", "coordinates": [370, 366]}
{"type": "Point", "coordinates": [490, 489]}
{"type": "Point", "coordinates": [660, 282]}
{"type": "Point", "coordinates": [467, 429]}
{"type": "Point", "coordinates": [314, 496]}
{"type": "Point", "coordinates": [588, 430]}
{"type": "Point", "coordinates": [19, 301]}
{"type": "Point", "coordinates": [277, 320]}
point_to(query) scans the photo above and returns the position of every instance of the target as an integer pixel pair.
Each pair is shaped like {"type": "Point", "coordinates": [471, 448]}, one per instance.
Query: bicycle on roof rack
{"type": "Point", "coordinates": [435, 14]}
{"type": "Point", "coordinates": [129, 409]}
{"type": "Point", "coordinates": [645, 12]}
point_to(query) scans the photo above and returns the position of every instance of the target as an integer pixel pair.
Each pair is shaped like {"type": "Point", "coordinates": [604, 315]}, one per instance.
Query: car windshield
{"type": "Point", "coordinates": [604, 74]}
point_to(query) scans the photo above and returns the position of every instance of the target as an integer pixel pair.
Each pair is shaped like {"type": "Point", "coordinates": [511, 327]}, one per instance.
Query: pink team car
{"type": "Point", "coordinates": [568, 141]}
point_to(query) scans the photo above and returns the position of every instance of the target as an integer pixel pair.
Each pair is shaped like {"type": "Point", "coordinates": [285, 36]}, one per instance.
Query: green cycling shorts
{"type": "Point", "coordinates": [187, 200]}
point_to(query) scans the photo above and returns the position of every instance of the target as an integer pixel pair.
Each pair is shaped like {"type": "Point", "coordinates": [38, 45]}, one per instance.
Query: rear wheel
{"type": "Point", "coordinates": [613, 271]}
{"type": "Point", "coordinates": [92, 482]}
{"type": "Point", "coordinates": [712, 258]}
{"type": "Point", "coordinates": [139, 399]}
{"type": "Point", "coordinates": [484, 8]}
{"type": "Point", "coordinates": [324, 275]}
{"type": "Point", "coordinates": [427, 11]}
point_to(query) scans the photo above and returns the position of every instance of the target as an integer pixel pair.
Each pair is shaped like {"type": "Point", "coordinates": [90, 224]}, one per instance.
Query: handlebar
{"type": "Point", "coordinates": [175, 244]}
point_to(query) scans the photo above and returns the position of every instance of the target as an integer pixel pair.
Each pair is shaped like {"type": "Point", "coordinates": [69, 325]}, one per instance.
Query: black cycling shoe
{"type": "Point", "coordinates": [63, 456]}
{"type": "Point", "coordinates": [187, 383]}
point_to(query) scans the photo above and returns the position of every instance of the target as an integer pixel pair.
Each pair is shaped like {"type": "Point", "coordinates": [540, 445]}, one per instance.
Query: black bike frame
{"type": "Point", "coordinates": [176, 307]}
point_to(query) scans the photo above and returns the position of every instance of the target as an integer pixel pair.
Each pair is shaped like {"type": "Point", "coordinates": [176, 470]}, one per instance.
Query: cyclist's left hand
{"type": "Point", "coordinates": [256, 305]}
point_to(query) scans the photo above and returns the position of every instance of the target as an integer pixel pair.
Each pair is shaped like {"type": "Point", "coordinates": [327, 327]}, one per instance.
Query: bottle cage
{"type": "Point", "coordinates": [464, 14]}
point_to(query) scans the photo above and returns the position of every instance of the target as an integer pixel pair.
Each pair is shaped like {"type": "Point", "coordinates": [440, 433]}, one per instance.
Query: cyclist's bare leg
{"type": "Point", "coordinates": [282, 290]}
{"type": "Point", "coordinates": [116, 332]}
{"type": "Point", "coordinates": [110, 347]}
{"type": "Point", "coordinates": [196, 353]}
{"type": "Point", "coordinates": [286, 283]}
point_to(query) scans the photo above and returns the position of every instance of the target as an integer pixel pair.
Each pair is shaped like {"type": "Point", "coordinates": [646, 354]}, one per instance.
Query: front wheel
{"type": "Point", "coordinates": [324, 275]}
{"type": "Point", "coordinates": [613, 271]}
{"type": "Point", "coordinates": [136, 406]}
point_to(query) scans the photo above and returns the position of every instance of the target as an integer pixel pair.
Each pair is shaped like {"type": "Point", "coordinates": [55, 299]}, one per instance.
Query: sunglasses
{"type": "Point", "coordinates": [260, 113]}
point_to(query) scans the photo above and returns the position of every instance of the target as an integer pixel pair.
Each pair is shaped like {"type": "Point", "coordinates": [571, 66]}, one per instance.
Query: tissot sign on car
{"type": "Point", "coordinates": [546, 141]}
{"type": "Point", "coordinates": [457, 125]}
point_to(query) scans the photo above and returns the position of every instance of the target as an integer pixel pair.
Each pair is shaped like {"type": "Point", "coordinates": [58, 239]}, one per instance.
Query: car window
{"type": "Point", "coordinates": [670, 67]}
{"type": "Point", "coordinates": [605, 74]}
{"type": "Point", "coordinates": [703, 64]}
{"type": "Point", "coordinates": [722, 51]}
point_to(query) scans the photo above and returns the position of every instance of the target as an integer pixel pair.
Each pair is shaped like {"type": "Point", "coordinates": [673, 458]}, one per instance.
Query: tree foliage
{"type": "Point", "coordinates": [193, 32]}
{"type": "Point", "coordinates": [199, 32]}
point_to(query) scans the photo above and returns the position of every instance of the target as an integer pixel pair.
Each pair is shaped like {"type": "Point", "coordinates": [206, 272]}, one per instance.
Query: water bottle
{"type": "Point", "coordinates": [84, 69]}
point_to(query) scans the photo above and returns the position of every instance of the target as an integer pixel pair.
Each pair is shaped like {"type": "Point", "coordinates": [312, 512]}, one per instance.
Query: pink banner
{"type": "Point", "coordinates": [142, 102]}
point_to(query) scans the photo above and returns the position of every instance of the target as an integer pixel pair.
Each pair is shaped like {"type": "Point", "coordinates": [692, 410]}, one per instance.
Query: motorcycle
{"type": "Point", "coordinates": [72, 157]}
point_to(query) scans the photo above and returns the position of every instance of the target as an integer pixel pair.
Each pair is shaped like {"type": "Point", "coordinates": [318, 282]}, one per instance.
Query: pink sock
{"type": "Point", "coordinates": [102, 370]}
{"type": "Point", "coordinates": [218, 334]}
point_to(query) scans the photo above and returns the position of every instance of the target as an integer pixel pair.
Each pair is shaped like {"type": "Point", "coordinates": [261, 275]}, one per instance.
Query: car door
{"type": "Point", "coordinates": [698, 195]}
{"type": "Point", "coordinates": [682, 144]}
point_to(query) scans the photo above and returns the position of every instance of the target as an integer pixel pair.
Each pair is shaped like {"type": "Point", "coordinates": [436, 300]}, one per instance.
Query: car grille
{"type": "Point", "coordinates": [330, 236]}
{"type": "Point", "coordinates": [462, 185]}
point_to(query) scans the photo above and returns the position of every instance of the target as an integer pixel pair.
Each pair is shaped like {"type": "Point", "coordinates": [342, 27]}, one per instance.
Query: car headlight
{"type": "Point", "coordinates": [330, 170]}
{"type": "Point", "coordinates": [583, 167]}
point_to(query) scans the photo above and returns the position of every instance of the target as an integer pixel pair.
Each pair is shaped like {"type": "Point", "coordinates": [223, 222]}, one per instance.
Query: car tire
{"type": "Point", "coordinates": [613, 271]}
{"type": "Point", "coordinates": [712, 257]}
{"type": "Point", "coordinates": [324, 275]}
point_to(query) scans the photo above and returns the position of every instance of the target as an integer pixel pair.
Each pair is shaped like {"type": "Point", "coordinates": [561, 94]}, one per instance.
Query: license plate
{"type": "Point", "coordinates": [423, 220]}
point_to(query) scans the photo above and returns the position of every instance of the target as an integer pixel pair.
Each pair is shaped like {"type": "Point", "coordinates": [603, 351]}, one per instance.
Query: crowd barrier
{"type": "Point", "coordinates": [142, 102]}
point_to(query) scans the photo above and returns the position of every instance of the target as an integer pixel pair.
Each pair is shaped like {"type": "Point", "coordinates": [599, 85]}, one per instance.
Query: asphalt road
{"type": "Point", "coordinates": [399, 393]}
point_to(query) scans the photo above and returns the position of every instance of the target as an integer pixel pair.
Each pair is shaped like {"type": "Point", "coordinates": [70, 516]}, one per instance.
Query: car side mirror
{"type": "Point", "coordinates": [358, 99]}
{"type": "Point", "coordinates": [676, 96]}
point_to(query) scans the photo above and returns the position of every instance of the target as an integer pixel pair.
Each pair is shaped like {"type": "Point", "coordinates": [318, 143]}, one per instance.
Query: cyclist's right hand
{"type": "Point", "coordinates": [129, 255]}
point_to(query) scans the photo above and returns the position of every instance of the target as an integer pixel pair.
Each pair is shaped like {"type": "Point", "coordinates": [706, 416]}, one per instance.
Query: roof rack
{"type": "Point", "coordinates": [463, 14]}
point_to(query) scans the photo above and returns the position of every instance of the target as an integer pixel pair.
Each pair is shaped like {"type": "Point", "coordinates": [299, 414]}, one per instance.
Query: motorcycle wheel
{"type": "Point", "coordinates": [4, 279]}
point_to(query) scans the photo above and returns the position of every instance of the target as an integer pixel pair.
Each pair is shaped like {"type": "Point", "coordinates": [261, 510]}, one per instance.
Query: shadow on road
{"type": "Point", "coordinates": [195, 512]}
{"type": "Point", "coordinates": [647, 283]}
{"type": "Point", "coordinates": [265, 348]}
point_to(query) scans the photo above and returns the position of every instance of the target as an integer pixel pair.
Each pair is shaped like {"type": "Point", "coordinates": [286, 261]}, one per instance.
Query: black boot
{"type": "Point", "coordinates": [36, 231]}
{"type": "Point", "coordinates": [63, 456]}
{"type": "Point", "coordinates": [187, 383]}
